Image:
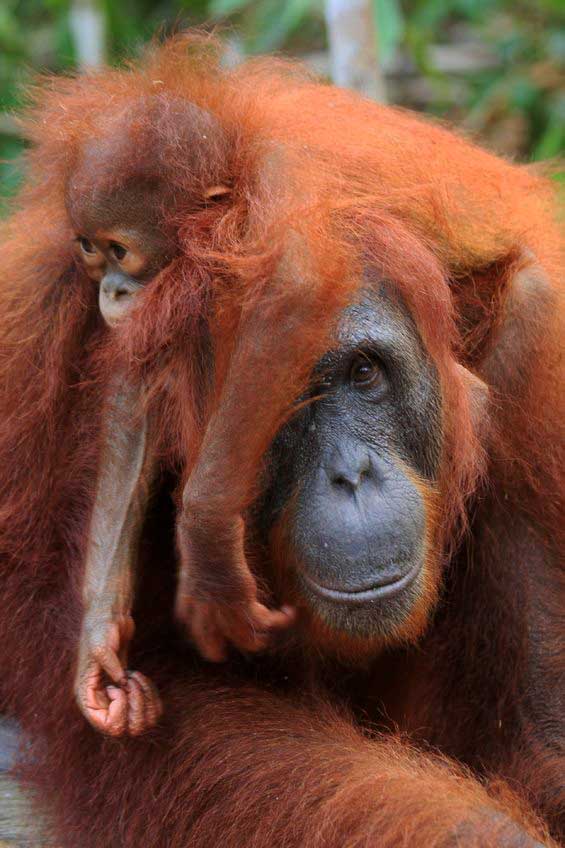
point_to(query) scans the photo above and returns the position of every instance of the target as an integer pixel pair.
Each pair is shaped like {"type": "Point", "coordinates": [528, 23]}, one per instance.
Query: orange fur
{"type": "Point", "coordinates": [323, 185]}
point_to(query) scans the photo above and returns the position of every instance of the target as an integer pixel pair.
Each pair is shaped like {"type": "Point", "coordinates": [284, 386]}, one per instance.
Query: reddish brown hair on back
{"type": "Point", "coordinates": [326, 190]}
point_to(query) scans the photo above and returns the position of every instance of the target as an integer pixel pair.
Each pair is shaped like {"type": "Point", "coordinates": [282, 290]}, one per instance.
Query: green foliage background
{"type": "Point", "coordinates": [516, 101]}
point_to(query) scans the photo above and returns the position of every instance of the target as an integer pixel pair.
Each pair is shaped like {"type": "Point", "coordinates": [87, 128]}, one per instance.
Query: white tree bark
{"type": "Point", "coordinates": [353, 47]}
{"type": "Point", "coordinates": [88, 30]}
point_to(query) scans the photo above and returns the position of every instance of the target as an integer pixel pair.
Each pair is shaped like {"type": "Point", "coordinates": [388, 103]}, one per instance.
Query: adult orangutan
{"type": "Point", "coordinates": [352, 372]}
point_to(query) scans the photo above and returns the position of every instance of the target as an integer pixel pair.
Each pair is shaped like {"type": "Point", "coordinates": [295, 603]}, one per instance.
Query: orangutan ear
{"type": "Point", "coordinates": [519, 328]}
{"type": "Point", "coordinates": [216, 191]}
{"type": "Point", "coordinates": [503, 310]}
{"type": "Point", "coordinates": [478, 396]}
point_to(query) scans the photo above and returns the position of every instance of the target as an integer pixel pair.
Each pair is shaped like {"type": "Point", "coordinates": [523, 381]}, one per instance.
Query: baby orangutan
{"type": "Point", "coordinates": [119, 263]}
{"type": "Point", "coordinates": [122, 244]}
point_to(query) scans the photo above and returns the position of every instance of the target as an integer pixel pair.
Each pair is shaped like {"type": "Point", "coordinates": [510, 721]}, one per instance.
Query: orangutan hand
{"type": "Point", "coordinates": [212, 626]}
{"type": "Point", "coordinates": [132, 705]}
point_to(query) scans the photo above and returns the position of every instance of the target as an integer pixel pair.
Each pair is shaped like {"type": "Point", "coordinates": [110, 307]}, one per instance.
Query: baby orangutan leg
{"type": "Point", "coordinates": [217, 599]}
{"type": "Point", "coordinates": [113, 699]}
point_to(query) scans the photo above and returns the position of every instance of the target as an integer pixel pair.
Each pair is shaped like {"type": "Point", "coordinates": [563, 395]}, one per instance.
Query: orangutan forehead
{"type": "Point", "coordinates": [162, 151]}
{"type": "Point", "coordinates": [139, 204]}
{"type": "Point", "coordinates": [380, 308]}
{"type": "Point", "coordinates": [378, 321]}
{"type": "Point", "coordinates": [163, 138]}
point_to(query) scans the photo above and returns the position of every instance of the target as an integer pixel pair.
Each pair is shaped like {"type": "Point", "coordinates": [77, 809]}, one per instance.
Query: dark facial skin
{"type": "Point", "coordinates": [354, 473]}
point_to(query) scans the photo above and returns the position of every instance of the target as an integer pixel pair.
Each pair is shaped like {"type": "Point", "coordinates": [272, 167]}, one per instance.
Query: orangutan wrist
{"type": "Point", "coordinates": [100, 612]}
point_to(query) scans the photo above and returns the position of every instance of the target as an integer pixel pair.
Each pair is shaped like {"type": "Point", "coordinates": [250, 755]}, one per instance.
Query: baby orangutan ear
{"type": "Point", "coordinates": [214, 192]}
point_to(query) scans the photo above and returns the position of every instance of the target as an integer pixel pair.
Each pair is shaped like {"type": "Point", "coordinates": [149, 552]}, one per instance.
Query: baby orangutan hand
{"type": "Point", "coordinates": [129, 705]}
{"type": "Point", "coordinates": [247, 624]}
{"type": "Point", "coordinates": [217, 598]}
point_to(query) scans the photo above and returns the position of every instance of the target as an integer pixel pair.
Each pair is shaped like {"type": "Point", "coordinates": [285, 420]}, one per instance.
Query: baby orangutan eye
{"type": "Point", "coordinates": [86, 246]}
{"type": "Point", "coordinates": [118, 250]}
{"type": "Point", "coordinates": [365, 372]}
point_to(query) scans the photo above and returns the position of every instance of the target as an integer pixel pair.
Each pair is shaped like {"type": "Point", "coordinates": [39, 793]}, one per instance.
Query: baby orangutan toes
{"type": "Point", "coordinates": [213, 626]}
{"type": "Point", "coordinates": [129, 705]}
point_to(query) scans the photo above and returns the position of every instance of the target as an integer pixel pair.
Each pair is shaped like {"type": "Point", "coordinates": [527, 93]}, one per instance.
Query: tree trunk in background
{"type": "Point", "coordinates": [88, 29]}
{"type": "Point", "coordinates": [353, 47]}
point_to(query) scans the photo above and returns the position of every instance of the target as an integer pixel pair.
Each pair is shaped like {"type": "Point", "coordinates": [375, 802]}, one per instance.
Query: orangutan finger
{"type": "Point", "coordinates": [269, 619]}
{"type": "Point", "coordinates": [136, 707]}
{"type": "Point", "coordinates": [92, 694]}
{"type": "Point", "coordinates": [127, 628]}
{"type": "Point", "coordinates": [153, 704]}
{"type": "Point", "coordinates": [183, 607]}
{"type": "Point", "coordinates": [251, 630]}
{"type": "Point", "coordinates": [110, 663]}
{"type": "Point", "coordinates": [115, 718]}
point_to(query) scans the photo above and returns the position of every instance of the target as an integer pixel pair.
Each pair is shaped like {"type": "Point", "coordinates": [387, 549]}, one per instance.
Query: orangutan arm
{"type": "Point", "coordinates": [125, 471]}
{"type": "Point", "coordinates": [218, 599]}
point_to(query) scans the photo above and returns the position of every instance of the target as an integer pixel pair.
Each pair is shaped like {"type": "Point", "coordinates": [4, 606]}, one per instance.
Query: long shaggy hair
{"type": "Point", "coordinates": [321, 186]}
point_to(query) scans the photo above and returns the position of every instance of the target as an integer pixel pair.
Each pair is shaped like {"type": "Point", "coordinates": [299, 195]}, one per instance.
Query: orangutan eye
{"type": "Point", "coordinates": [118, 250]}
{"type": "Point", "coordinates": [365, 372]}
{"type": "Point", "coordinates": [86, 246]}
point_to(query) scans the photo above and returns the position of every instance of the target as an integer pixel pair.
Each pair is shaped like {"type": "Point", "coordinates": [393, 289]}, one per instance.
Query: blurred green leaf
{"type": "Point", "coordinates": [474, 10]}
{"type": "Point", "coordinates": [223, 8]}
{"type": "Point", "coordinates": [522, 93]}
{"type": "Point", "coordinates": [10, 171]}
{"type": "Point", "coordinates": [389, 23]}
{"type": "Point", "coordinates": [428, 14]}
{"type": "Point", "coordinates": [552, 142]}
{"type": "Point", "coordinates": [277, 21]}
{"type": "Point", "coordinates": [556, 43]}
{"type": "Point", "coordinates": [57, 5]}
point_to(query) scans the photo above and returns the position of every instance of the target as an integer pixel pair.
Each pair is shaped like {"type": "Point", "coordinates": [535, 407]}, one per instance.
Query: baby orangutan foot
{"type": "Point", "coordinates": [212, 626]}
{"type": "Point", "coordinates": [128, 706]}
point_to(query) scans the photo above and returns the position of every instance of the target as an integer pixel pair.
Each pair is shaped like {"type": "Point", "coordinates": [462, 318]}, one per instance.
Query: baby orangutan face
{"type": "Point", "coordinates": [123, 197]}
{"type": "Point", "coordinates": [119, 253]}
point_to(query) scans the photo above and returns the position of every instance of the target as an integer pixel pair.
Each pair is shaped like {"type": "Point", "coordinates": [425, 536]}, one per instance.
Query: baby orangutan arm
{"type": "Point", "coordinates": [130, 703]}
{"type": "Point", "coordinates": [217, 598]}
{"type": "Point", "coordinates": [217, 594]}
